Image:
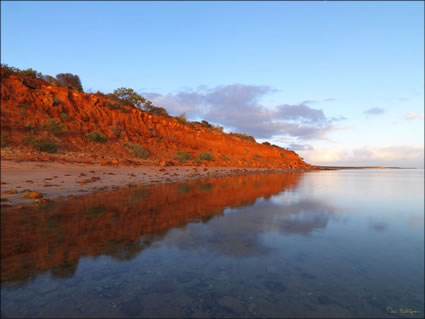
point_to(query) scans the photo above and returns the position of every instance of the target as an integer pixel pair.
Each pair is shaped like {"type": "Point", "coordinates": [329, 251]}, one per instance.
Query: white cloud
{"type": "Point", "coordinates": [237, 108]}
{"type": "Point", "coordinates": [413, 116]}
{"type": "Point", "coordinates": [374, 111]}
{"type": "Point", "coordinates": [401, 156]}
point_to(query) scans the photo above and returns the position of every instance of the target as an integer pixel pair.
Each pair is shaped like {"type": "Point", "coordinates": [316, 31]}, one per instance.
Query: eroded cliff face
{"type": "Point", "coordinates": [115, 224]}
{"type": "Point", "coordinates": [27, 103]}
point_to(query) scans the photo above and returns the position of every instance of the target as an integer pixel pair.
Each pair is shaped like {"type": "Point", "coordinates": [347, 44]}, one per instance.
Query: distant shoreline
{"type": "Point", "coordinates": [53, 180]}
{"type": "Point", "coordinates": [361, 167]}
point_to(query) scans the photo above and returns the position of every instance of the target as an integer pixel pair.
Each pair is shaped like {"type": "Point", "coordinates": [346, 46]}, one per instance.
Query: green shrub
{"type": "Point", "coordinates": [218, 128]}
{"type": "Point", "coordinates": [41, 144]}
{"type": "Point", "coordinates": [282, 154]}
{"type": "Point", "coordinates": [64, 116]}
{"type": "Point", "coordinates": [30, 72]}
{"type": "Point", "coordinates": [197, 161]}
{"type": "Point", "coordinates": [206, 124]}
{"type": "Point", "coordinates": [4, 140]}
{"type": "Point", "coordinates": [243, 136]}
{"type": "Point", "coordinates": [50, 79]}
{"type": "Point", "coordinates": [256, 157]}
{"type": "Point", "coordinates": [148, 106]}
{"type": "Point", "coordinates": [159, 111]}
{"type": "Point", "coordinates": [97, 137]}
{"type": "Point", "coordinates": [225, 158]}
{"type": "Point", "coordinates": [183, 156]}
{"type": "Point", "coordinates": [27, 140]}
{"type": "Point", "coordinates": [182, 119]}
{"type": "Point", "coordinates": [55, 127]}
{"type": "Point", "coordinates": [206, 157]}
{"type": "Point", "coordinates": [266, 143]}
{"type": "Point", "coordinates": [138, 150]}
{"type": "Point", "coordinates": [8, 70]}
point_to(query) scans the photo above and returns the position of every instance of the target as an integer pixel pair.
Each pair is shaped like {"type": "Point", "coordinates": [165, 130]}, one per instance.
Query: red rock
{"type": "Point", "coordinates": [89, 114]}
{"type": "Point", "coordinates": [11, 192]}
{"type": "Point", "coordinates": [32, 195]}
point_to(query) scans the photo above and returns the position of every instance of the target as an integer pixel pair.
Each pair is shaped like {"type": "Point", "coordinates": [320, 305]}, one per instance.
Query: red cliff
{"type": "Point", "coordinates": [28, 103]}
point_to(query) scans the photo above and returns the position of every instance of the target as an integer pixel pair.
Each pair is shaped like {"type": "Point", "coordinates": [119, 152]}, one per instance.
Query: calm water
{"type": "Point", "coordinates": [318, 244]}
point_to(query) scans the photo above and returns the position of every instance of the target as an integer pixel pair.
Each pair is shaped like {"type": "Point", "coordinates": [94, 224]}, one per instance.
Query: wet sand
{"type": "Point", "coordinates": [59, 180]}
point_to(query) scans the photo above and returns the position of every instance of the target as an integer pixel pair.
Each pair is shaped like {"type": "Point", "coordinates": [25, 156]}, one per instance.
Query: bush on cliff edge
{"type": "Point", "coordinates": [96, 137]}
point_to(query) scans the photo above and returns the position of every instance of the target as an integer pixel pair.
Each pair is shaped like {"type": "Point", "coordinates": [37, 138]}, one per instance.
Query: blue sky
{"type": "Point", "coordinates": [339, 82]}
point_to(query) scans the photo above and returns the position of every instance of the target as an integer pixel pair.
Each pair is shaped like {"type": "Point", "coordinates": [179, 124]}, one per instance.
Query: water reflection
{"type": "Point", "coordinates": [123, 223]}
{"type": "Point", "coordinates": [249, 246]}
{"type": "Point", "coordinates": [236, 236]}
{"type": "Point", "coordinates": [379, 226]}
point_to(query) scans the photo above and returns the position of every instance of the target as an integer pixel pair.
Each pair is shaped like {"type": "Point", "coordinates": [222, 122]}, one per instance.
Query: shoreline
{"type": "Point", "coordinates": [55, 181]}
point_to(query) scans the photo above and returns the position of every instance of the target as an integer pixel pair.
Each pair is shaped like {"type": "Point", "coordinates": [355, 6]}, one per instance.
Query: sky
{"type": "Point", "coordinates": [341, 83]}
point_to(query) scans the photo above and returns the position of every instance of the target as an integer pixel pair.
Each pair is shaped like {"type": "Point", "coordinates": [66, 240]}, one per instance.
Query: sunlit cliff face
{"type": "Point", "coordinates": [27, 104]}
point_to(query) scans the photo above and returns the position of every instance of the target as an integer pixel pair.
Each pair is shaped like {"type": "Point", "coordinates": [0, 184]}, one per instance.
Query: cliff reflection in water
{"type": "Point", "coordinates": [123, 223]}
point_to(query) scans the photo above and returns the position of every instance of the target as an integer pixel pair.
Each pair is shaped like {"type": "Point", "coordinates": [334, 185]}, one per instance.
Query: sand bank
{"type": "Point", "coordinates": [60, 180]}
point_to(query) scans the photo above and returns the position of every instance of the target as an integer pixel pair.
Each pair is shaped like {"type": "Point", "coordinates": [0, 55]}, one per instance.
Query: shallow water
{"type": "Point", "coordinates": [317, 244]}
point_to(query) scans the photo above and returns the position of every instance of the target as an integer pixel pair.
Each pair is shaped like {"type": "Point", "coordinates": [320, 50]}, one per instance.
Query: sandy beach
{"type": "Point", "coordinates": [58, 180]}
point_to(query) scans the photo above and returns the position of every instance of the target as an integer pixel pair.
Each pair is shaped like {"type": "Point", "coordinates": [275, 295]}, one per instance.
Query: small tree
{"type": "Point", "coordinates": [69, 80]}
{"type": "Point", "coordinates": [159, 111]}
{"type": "Point", "coordinates": [129, 96]}
{"type": "Point", "coordinates": [31, 72]}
